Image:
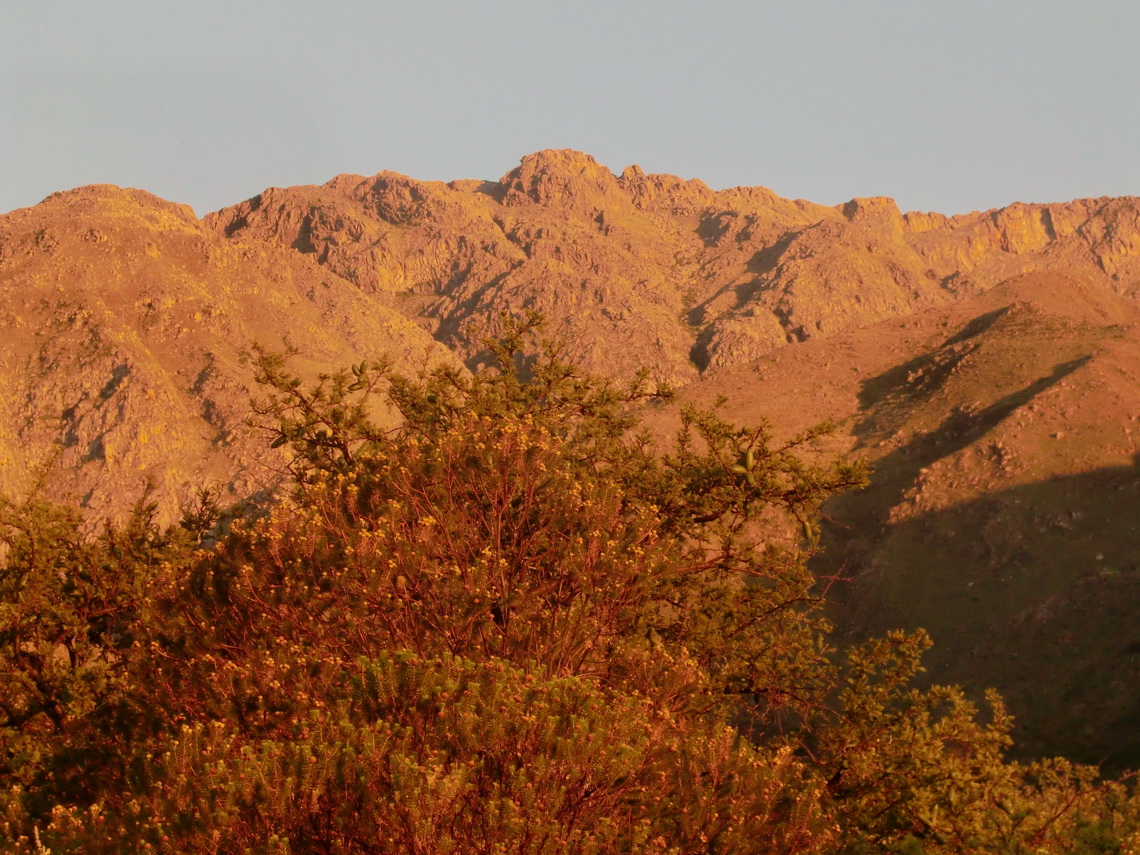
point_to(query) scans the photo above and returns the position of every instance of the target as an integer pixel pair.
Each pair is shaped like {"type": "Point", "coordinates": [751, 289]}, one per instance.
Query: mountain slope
{"type": "Point", "coordinates": [125, 323]}
{"type": "Point", "coordinates": [650, 270]}
{"type": "Point", "coordinates": [1004, 433]}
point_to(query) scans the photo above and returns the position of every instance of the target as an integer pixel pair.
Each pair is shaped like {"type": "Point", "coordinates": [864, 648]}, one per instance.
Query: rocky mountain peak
{"type": "Point", "coordinates": [106, 196]}
{"type": "Point", "coordinates": [560, 177]}
{"type": "Point", "coordinates": [873, 207]}
{"type": "Point", "coordinates": [644, 189]}
{"type": "Point", "coordinates": [401, 200]}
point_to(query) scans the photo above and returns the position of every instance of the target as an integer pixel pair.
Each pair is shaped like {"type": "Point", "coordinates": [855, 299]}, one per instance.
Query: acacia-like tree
{"type": "Point", "coordinates": [512, 623]}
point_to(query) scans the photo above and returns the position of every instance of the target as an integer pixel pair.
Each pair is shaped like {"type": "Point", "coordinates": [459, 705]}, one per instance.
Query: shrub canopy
{"type": "Point", "coordinates": [511, 624]}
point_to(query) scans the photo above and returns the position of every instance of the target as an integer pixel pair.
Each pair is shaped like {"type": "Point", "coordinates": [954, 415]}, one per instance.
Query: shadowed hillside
{"type": "Point", "coordinates": [1001, 515]}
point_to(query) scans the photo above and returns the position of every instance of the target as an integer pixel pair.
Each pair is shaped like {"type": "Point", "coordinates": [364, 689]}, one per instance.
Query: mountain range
{"type": "Point", "coordinates": [987, 365]}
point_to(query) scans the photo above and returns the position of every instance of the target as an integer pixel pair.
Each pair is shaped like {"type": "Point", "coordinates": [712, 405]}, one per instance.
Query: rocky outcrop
{"type": "Point", "coordinates": [126, 323]}
{"type": "Point", "coordinates": [652, 270]}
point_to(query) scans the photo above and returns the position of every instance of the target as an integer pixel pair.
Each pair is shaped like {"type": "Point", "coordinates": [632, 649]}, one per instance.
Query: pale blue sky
{"type": "Point", "coordinates": [947, 105]}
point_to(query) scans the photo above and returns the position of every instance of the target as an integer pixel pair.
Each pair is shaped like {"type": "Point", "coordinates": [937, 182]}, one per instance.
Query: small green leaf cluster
{"type": "Point", "coordinates": [512, 623]}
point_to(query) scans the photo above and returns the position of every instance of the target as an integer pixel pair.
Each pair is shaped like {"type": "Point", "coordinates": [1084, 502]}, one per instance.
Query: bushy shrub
{"type": "Point", "coordinates": [510, 624]}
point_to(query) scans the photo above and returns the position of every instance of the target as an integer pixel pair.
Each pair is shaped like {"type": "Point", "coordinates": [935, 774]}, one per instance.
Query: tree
{"type": "Point", "coordinates": [514, 623]}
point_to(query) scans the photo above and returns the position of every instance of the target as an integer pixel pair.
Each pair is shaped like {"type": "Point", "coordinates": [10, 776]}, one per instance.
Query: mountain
{"type": "Point", "coordinates": [651, 271]}
{"type": "Point", "coordinates": [125, 324]}
{"type": "Point", "coordinates": [985, 364]}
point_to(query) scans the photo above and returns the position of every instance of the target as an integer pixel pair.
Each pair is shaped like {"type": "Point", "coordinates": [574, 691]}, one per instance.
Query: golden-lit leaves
{"type": "Point", "coordinates": [509, 625]}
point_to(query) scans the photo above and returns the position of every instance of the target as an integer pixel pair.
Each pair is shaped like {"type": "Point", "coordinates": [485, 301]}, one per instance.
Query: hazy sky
{"type": "Point", "coordinates": [947, 105]}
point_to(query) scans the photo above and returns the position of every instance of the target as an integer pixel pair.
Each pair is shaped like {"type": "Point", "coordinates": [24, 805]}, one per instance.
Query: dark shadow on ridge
{"type": "Point", "coordinates": [897, 471]}
{"type": "Point", "coordinates": [927, 372]}
{"type": "Point", "coordinates": [1032, 590]}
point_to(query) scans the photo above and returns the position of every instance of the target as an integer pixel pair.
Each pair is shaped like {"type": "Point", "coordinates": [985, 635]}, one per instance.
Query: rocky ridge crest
{"type": "Point", "coordinates": [688, 278]}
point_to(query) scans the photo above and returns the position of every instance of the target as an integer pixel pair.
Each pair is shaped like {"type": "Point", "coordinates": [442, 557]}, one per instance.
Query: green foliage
{"type": "Point", "coordinates": [518, 514]}
{"type": "Point", "coordinates": [510, 624]}
{"type": "Point", "coordinates": [72, 608]}
{"type": "Point", "coordinates": [917, 771]}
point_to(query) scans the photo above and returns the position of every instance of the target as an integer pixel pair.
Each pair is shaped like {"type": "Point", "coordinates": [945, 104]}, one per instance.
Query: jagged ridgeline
{"type": "Point", "coordinates": [125, 316]}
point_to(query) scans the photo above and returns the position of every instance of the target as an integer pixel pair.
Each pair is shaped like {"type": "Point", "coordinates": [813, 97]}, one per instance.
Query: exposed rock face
{"type": "Point", "coordinates": [558, 234]}
{"type": "Point", "coordinates": [125, 317]}
{"type": "Point", "coordinates": [651, 270]}
{"type": "Point", "coordinates": [125, 322]}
